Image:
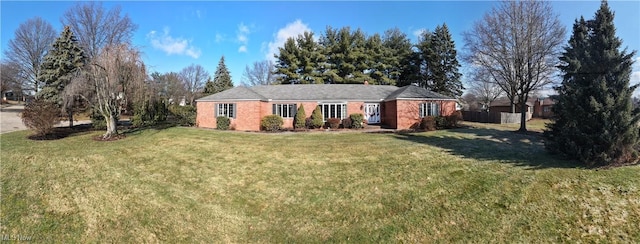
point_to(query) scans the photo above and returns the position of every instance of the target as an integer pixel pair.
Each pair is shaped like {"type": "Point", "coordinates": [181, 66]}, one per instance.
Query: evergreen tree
{"type": "Point", "coordinates": [594, 121]}
{"type": "Point", "coordinates": [221, 80]}
{"type": "Point", "coordinates": [378, 62]}
{"type": "Point", "coordinates": [310, 58]}
{"type": "Point", "coordinates": [329, 42]}
{"type": "Point", "coordinates": [301, 118]}
{"type": "Point", "coordinates": [401, 58]}
{"type": "Point", "coordinates": [440, 61]}
{"type": "Point", "coordinates": [287, 63]}
{"type": "Point", "coordinates": [61, 64]}
{"type": "Point", "coordinates": [316, 118]}
{"type": "Point", "coordinates": [209, 87]}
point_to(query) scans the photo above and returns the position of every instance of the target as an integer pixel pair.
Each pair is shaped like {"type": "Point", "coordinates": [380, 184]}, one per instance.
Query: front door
{"type": "Point", "coordinates": [372, 113]}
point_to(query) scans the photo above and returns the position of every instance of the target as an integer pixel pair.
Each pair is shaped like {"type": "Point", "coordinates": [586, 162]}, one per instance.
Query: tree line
{"type": "Point", "coordinates": [343, 56]}
{"type": "Point", "coordinates": [93, 65]}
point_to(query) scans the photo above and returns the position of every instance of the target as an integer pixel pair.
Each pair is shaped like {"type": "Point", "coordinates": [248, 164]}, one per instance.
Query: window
{"type": "Point", "coordinates": [226, 110]}
{"type": "Point", "coordinates": [285, 110]}
{"type": "Point", "coordinates": [333, 110]}
{"type": "Point", "coordinates": [546, 109]}
{"type": "Point", "coordinates": [429, 109]}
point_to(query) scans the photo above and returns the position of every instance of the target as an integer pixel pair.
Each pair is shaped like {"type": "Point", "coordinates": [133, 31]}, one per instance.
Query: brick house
{"type": "Point", "coordinates": [388, 106]}
{"type": "Point", "coordinates": [542, 108]}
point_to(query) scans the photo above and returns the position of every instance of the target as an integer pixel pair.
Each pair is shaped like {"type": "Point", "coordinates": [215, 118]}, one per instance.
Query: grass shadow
{"type": "Point", "coordinates": [131, 130]}
{"type": "Point", "coordinates": [520, 149]}
{"type": "Point", "coordinates": [64, 132]}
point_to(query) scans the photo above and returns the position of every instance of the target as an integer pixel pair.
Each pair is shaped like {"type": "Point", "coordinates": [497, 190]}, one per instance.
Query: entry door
{"type": "Point", "coordinates": [372, 113]}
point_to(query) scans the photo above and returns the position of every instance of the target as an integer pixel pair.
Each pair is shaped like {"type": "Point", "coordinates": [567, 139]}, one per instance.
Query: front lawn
{"type": "Point", "coordinates": [192, 185]}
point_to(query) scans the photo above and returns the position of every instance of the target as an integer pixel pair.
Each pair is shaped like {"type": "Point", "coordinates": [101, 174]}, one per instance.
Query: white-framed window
{"type": "Point", "coordinates": [226, 110]}
{"type": "Point", "coordinates": [333, 110]}
{"type": "Point", "coordinates": [546, 109]}
{"type": "Point", "coordinates": [429, 109]}
{"type": "Point", "coordinates": [285, 110]}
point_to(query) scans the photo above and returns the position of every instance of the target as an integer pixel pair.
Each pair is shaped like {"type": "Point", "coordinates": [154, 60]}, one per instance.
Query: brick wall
{"type": "Point", "coordinates": [248, 114]}
{"type": "Point", "coordinates": [401, 114]}
{"type": "Point", "coordinates": [408, 111]}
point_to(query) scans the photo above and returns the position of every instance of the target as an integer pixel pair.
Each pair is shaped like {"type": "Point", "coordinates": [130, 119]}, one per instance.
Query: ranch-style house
{"type": "Point", "coordinates": [389, 106]}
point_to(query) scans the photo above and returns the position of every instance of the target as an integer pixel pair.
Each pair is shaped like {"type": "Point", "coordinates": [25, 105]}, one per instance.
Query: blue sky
{"type": "Point", "coordinates": [173, 35]}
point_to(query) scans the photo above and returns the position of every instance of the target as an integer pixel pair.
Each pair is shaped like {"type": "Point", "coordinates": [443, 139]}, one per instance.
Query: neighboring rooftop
{"type": "Point", "coordinates": [327, 92]}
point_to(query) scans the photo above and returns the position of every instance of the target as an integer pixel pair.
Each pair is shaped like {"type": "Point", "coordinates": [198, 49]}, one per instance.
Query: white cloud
{"type": "Point", "coordinates": [242, 37]}
{"type": "Point", "coordinates": [292, 29]}
{"type": "Point", "coordinates": [418, 33]}
{"type": "Point", "coordinates": [220, 37]}
{"type": "Point", "coordinates": [172, 45]}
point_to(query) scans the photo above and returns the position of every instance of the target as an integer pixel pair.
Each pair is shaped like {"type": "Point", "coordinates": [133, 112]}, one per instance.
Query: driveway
{"type": "Point", "coordinates": [10, 118]}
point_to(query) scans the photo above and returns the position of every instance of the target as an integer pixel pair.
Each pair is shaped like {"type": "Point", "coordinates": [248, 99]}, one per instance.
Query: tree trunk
{"type": "Point", "coordinates": [112, 128]}
{"type": "Point", "coordinates": [523, 117]}
{"type": "Point", "coordinates": [70, 115]}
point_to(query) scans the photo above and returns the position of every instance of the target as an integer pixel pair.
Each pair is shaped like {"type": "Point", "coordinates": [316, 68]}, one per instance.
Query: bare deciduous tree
{"type": "Point", "coordinates": [10, 78]}
{"type": "Point", "coordinates": [27, 49]}
{"type": "Point", "coordinates": [260, 73]}
{"type": "Point", "coordinates": [194, 76]}
{"type": "Point", "coordinates": [168, 86]}
{"type": "Point", "coordinates": [97, 28]}
{"type": "Point", "coordinates": [114, 66]}
{"type": "Point", "coordinates": [484, 88]}
{"type": "Point", "coordinates": [517, 43]}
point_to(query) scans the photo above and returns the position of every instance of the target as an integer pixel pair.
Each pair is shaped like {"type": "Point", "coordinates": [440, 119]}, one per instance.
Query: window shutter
{"type": "Point", "coordinates": [234, 110]}
{"type": "Point", "coordinates": [437, 113]}
{"type": "Point", "coordinates": [215, 110]}
{"type": "Point", "coordinates": [295, 110]}
{"type": "Point", "coordinates": [273, 109]}
{"type": "Point", "coordinates": [422, 110]}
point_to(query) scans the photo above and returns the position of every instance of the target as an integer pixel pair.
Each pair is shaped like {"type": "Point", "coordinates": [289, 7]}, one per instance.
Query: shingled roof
{"type": "Point", "coordinates": [324, 92]}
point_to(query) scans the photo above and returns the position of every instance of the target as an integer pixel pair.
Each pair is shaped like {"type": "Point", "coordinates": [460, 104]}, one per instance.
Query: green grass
{"type": "Point", "coordinates": [535, 125]}
{"type": "Point", "coordinates": [203, 186]}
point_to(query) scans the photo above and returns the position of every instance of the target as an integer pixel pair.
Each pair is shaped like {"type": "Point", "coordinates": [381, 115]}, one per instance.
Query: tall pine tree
{"type": "Point", "coordinates": [61, 64]}
{"type": "Point", "coordinates": [594, 121]}
{"type": "Point", "coordinates": [287, 63]}
{"type": "Point", "coordinates": [441, 63]}
{"type": "Point", "coordinates": [221, 80]}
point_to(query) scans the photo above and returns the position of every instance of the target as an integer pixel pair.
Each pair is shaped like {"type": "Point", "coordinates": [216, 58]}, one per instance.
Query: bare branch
{"type": "Point", "coordinates": [27, 49]}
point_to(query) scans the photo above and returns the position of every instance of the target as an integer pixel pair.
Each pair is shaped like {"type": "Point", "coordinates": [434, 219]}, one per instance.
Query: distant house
{"type": "Point", "coordinates": [388, 106]}
{"type": "Point", "coordinates": [503, 105]}
{"type": "Point", "coordinates": [542, 108]}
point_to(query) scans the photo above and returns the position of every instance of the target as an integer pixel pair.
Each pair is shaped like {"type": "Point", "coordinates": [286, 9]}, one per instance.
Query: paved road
{"type": "Point", "coordinates": [10, 118]}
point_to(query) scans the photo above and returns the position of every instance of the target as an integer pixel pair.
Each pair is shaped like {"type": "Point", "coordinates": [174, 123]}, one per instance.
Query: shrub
{"type": "Point", "coordinates": [149, 113]}
{"type": "Point", "coordinates": [428, 123]}
{"type": "Point", "coordinates": [346, 123]}
{"type": "Point", "coordinates": [183, 115]}
{"type": "Point", "coordinates": [271, 123]}
{"type": "Point", "coordinates": [333, 123]}
{"type": "Point", "coordinates": [316, 118]}
{"type": "Point", "coordinates": [40, 116]}
{"type": "Point", "coordinates": [98, 121]}
{"type": "Point", "coordinates": [299, 121]}
{"type": "Point", "coordinates": [453, 120]}
{"type": "Point", "coordinates": [441, 122]}
{"type": "Point", "coordinates": [357, 120]}
{"type": "Point", "coordinates": [222, 123]}
{"type": "Point", "coordinates": [308, 123]}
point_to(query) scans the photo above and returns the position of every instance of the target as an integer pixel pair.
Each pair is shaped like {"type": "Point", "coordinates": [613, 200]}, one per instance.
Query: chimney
{"type": "Point", "coordinates": [366, 82]}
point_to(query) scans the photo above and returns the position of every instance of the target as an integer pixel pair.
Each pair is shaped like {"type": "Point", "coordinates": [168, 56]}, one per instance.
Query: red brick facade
{"type": "Point", "coordinates": [399, 114]}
